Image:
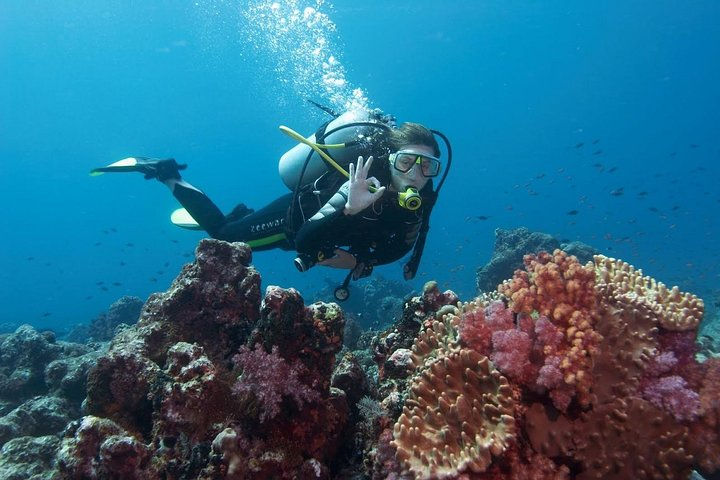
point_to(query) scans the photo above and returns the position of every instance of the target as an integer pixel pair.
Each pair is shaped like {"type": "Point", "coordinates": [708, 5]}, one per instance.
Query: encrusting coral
{"type": "Point", "coordinates": [457, 415]}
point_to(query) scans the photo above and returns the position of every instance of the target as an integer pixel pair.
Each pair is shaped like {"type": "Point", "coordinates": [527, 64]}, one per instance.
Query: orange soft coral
{"type": "Point", "coordinates": [559, 287]}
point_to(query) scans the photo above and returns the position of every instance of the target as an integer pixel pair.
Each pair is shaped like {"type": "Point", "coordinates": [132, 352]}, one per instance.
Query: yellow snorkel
{"type": "Point", "coordinates": [319, 149]}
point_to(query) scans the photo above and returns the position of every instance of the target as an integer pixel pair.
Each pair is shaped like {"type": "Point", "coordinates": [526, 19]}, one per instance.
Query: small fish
{"type": "Point", "coordinates": [482, 217]}
{"type": "Point", "coordinates": [611, 169]}
{"type": "Point", "coordinates": [99, 283]}
{"type": "Point", "coordinates": [122, 264]}
{"type": "Point", "coordinates": [46, 314]}
{"type": "Point", "coordinates": [129, 244]}
{"type": "Point", "coordinates": [598, 152]}
{"type": "Point", "coordinates": [617, 192]}
{"type": "Point", "coordinates": [116, 284]}
{"type": "Point", "coordinates": [642, 194]}
{"type": "Point", "coordinates": [694, 145]}
{"type": "Point", "coordinates": [573, 212]}
{"type": "Point", "coordinates": [596, 141]}
{"type": "Point", "coordinates": [578, 145]}
{"type": "Point", "coordinates": [30, 259]}
{"type": "Point", "coordinates": [104, 289]}
{"type": "Point", "coordinates": [114, 230]}
{"type": "Point", "coordinates": [539, 176]}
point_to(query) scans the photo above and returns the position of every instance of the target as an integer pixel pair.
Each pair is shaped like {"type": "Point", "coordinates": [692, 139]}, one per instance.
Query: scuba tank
{"type": "Point", "coordinates": [344, 138]}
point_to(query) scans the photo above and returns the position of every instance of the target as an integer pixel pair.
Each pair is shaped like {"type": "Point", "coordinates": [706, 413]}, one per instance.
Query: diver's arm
{"type": "Point", "coordinates": [353, 196]}
{"type": "Point", "coordinates": [318, 232]}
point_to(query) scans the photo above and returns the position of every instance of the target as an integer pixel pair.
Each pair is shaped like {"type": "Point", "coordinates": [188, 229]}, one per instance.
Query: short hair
{"type": "Point", "coordinates": [412, 134]}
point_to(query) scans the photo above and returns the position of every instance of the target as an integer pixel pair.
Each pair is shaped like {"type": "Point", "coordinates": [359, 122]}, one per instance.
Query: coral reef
{"type": "Point", "coordinates": [568, 370]}
{"type": "Point", "coordinates": [29, 458]}
{"type": "Point", "coordinates": [42, 387]}
{"type": "Point", "coordinates": [596, 378]}
{"type": "Point", "coordinates": [214, 381]}
{"type": "Point", "coordinates": [374, 303]}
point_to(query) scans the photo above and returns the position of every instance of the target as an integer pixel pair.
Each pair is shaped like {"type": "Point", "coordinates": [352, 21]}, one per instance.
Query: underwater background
{"type": "Point", "coordinates": [590, 121]}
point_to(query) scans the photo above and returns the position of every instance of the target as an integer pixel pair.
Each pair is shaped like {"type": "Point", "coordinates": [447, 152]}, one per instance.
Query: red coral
{"type": "Point", "coordinates": [269, 377]}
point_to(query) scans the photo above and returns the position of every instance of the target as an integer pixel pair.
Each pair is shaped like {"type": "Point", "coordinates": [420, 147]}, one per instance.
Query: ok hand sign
{"type": "Point", "coordinates": [363, 191]}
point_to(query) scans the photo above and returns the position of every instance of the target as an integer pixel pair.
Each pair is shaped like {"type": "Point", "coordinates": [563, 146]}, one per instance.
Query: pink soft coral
{"type": "Point", "coordinates": [511, 355]}
{"type": "Point", "coordinates": [269, 377]}
{"type": "Point", "coordinates": [671, 394]}
{"type": "Point", "coordinates": [475, 333]}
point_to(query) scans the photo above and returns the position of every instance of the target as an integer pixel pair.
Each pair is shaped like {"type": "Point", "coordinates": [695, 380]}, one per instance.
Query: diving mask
{"type": "Point", "coordinates": [404, 160]}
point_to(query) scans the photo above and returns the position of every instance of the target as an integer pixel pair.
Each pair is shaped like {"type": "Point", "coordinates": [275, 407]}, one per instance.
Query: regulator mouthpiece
{"type": "Point", "coordinates": [410, 199]}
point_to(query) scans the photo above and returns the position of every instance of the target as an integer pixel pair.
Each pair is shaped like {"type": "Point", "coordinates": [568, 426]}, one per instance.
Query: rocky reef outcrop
{"type": "Point", "coordinates": [124, 311]}
{"type": "Point", "coordinates": [42, 388]}
{"type": "Point", "coordinates": [214, 381]}
{"type": "Point", "coordinates": [512, 245]}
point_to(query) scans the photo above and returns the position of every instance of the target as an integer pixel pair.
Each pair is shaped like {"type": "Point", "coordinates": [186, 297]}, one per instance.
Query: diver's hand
{"type": "Point", "coordinates": [342, 259]}
{"type": "Point", "coordinates": [360, 195]}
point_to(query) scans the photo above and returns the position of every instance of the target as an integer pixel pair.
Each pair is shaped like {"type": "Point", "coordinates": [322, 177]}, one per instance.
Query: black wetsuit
{"type": "Point", "coordinates": [380, 234]}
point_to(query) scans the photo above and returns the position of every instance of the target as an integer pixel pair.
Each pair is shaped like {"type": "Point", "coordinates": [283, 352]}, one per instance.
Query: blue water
{"type": "Point", "coordinates": [517, 86]}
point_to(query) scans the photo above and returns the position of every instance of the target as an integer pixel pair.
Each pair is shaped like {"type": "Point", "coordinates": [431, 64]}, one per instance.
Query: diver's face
{"type": "Point", "coordinates": [413, 177]}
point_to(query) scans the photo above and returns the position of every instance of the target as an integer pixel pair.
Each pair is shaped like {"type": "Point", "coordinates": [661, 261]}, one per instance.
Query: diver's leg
{"type": "Point", "coordinates": [167, 171]}
{"type": "Point", "coordinates": [198, 205]}
{"type": "Point", "coordinates": [262, 230]}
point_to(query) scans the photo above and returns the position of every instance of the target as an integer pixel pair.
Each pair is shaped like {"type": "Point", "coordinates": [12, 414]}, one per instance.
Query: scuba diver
{"type": "Point", "coordinates": [371, 215]}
